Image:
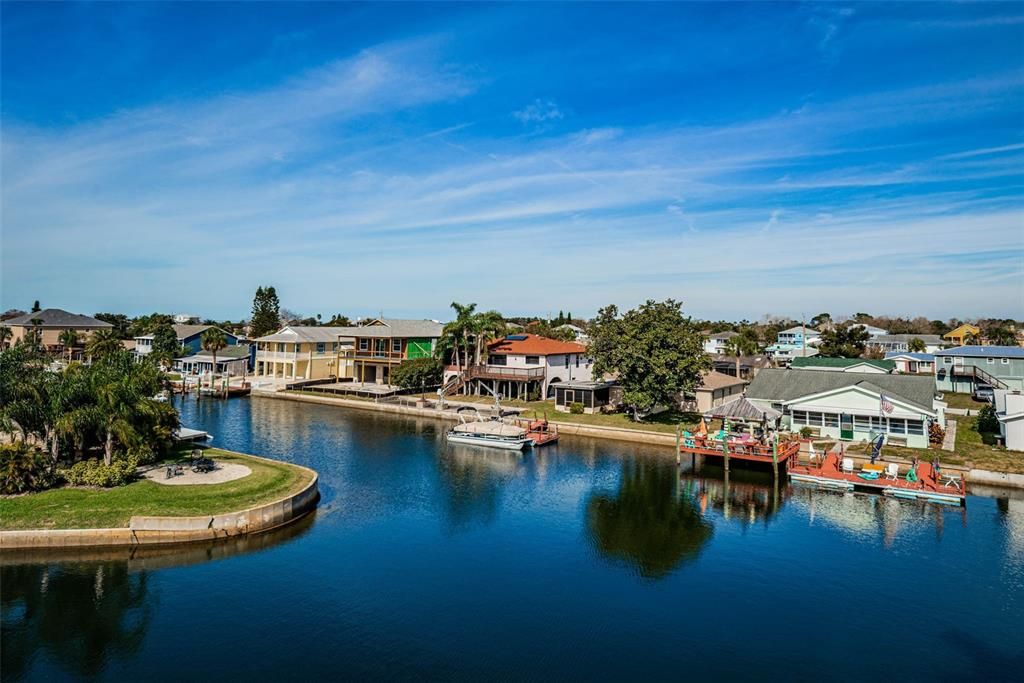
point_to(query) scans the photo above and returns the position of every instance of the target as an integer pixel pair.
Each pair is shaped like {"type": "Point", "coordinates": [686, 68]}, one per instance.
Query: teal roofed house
{"type": "Point", "coordinates": [962, 368]}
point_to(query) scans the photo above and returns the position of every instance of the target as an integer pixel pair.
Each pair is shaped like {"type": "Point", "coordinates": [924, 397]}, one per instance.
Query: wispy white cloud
{"type": "Point", "coordinates": [539, 111]}
{"type": "Point", "coordinates": [329, 181]}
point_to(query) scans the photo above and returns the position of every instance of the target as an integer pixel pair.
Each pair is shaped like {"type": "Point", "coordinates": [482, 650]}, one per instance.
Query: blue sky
{"type": "Point", "coordinates": [745, 159]}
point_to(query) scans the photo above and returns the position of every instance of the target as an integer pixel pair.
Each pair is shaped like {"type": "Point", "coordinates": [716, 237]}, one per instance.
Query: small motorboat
{"type": "Point", "coordinates": [493, 432]}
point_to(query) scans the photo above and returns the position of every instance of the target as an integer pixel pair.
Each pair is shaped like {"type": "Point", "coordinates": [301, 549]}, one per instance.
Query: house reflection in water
{"type": "Point", "coordinates": [741, 495]}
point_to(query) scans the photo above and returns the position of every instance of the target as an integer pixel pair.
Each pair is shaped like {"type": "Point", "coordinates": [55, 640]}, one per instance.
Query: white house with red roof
{"type": "Point", "coordinates": [524, 366]}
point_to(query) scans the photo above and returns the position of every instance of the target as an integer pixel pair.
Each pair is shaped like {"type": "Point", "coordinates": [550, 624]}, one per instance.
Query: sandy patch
{"type": "Point", "coordinates": [224, 471]}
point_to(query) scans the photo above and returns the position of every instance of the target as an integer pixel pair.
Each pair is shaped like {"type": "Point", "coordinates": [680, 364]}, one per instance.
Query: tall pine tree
{"type": "Point", "coordinates": [266, 312]}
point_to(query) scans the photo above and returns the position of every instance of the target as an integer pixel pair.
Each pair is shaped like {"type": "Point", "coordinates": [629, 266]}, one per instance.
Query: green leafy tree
{"type": "Point", "coordinates": [266, 312]}
{"type": "Point", "coordinates": [165, 344]}
{"type": "Point", "coordinates": [103, 343]}
{"type": "Point", "coordinates": [844, 341]}
{"type": "Point", "coordinates": [119, 321]}
{"type": "Point", "coordinates": [123, 391]}
{"type": "Point", "coordinates": [743, 344]}
{"type": "Point", "coordinates": [339, 320]}
{"type": "Point", "coordinates": [820, 320]}
{"type": "Point", "coordinates": [1003, 336]}
{"type": "Point", "coordinates": [655, 352]}
{"type": "Point", "coordinates": [5, 336]}
{"type": "Point", "coordinates": [987, 422]}
{"type": "Point", "coordinates": [916, 345]}
{"type": "Point", "coordinates": [419, 373]}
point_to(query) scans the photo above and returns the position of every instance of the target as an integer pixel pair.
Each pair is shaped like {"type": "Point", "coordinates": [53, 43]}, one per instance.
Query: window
{"type": "Point", "coordinates": [321, 347]}
{"type": "Point", "coordinates": [948, 360]}
{"type": "Point", "coordinates": [915, 427]}
{"type": "Point", "coordinates": [280, 347]}
{"type": "Point", "coordinates": [532, 360]}
{"type": "Point", "coordinates": [364, 344]}
{"type": "Point", "coordinates": [577, 360]}
{"type": "Point", "coordinates": [497, 359]}
{"type": "Point", "coordinates": [861, 423]}
{"type": "Point", "coordinates": [990, 361]}
{"type": "Point", "coordinates": [814, 419]}
{"type": "Point", "coordinates": [1004, 361]}
{"type": "Point", "coordinates": [567, 361]}
{"type": "Point", "coordinates": [380, 347]}
{"type": "Point", "coordinates": [334, 347]}
{"type": "Point", "coordinates": [897, 426]}
{"type": "Point", "coordinates": [396, 345]}
{"type": "Point", "coordinates": [799, 416]}
{"type": "Point", "coordinates": [831, 420]}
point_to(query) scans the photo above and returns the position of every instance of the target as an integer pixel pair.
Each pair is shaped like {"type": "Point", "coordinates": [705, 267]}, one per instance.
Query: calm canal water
{"type": "Point", "coordinates": [585, 561]}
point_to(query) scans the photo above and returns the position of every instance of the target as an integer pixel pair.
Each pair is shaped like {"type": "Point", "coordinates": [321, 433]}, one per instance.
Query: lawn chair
{"type": "Point", "coordinates": [892, 471]}
{"type": "Point", "coordinates": [951, 481]}
{"type": "Point", "coordinates": [848, 465]}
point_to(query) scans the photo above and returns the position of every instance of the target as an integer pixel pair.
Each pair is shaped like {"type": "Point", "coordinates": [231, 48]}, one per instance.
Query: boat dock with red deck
{"type": "Point", "coordinates": [744, 449]}
{"type": "Point", "coordinates": [539, 431]}
{"type": "Point", "coordinates": [927, 486]}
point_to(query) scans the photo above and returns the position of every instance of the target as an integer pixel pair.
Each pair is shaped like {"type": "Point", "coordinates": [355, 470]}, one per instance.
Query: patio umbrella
{"type": "Point", "coordinates": [703, 430]}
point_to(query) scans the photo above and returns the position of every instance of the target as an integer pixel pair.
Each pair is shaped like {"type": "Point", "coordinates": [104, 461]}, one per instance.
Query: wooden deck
{"type": "Point", "coordinates": [540, 432]}
{"type": "Point", "coordinates": [829, 474]}
{"type": "Point", "coordinates": [741, 450]}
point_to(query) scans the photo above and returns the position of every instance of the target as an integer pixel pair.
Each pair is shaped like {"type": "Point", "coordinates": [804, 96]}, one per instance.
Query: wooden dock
{"type": "Point", "coordinates": [928, 486]}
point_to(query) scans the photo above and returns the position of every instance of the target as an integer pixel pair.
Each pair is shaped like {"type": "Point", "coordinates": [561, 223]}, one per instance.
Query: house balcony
{"type": "Point", "coordinates": [501, 372]}
{"type": "Point", "coordinates": [279, 356]}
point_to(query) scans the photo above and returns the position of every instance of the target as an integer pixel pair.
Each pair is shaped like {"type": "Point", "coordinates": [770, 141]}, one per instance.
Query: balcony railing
{"type": "Point", "coordinates": [503, 372]}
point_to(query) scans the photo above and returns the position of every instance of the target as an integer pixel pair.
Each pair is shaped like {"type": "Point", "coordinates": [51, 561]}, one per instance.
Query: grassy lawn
{"type": "Point", "coordinates": [94, 508]}
{"type": "Point", "coordinates": [971, 450]}
{"type": "Point", "coordinates": [963, 401]}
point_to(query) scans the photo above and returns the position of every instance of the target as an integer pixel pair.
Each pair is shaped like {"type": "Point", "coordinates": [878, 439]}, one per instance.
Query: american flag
{"type": "Point", "coordinates": [886, 406]}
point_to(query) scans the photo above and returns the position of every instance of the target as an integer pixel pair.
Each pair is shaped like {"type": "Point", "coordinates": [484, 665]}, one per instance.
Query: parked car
{"type": "Point", "coordinates": [983, 392]}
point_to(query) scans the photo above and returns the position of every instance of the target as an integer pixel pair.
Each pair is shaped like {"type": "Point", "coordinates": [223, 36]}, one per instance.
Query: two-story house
{"type": "Point", "coordinates": [964, 335]}
{"type": "Point", "coordinates": [961, 368]}
{"type": "Point", "coordinates": [300, 352]}
{"type": "Point", "coordinates": [888, 343]}
{"type": "Point", "coordinates": [525, 366]}
{"type": "Point", "coordinates": [48, 325]}
{"type": "Point", "coordinates": [793, 343]}
{"type": "Point", "coordinates": [716, 343]}
{"type": "Point", "coordinates": [379, 345]}
{"type": "Point", "coordinates": [190, 337]}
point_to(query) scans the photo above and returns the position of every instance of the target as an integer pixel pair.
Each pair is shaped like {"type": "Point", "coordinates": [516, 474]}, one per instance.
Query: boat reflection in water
{"type": "Point", "coordinates": [473, 480]}
{"type": "Point", "coordinates": [648, 524]}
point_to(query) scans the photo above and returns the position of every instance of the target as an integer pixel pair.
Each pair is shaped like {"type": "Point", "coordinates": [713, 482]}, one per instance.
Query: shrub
{"type": "Point", "coordinates": [94, 473]}
{"type": "Point", "coordinates": [987, 421]}
{"type": "Point", "coordinates": [936, 434]}
{"type": "Point", "coordinates": [420, 373]}
{"type": "Point", "coordinates": [23, 468]}
{"type": "Point", "coordinates": [806, 432]}
{"type": "Point", "coordinates": [533, 395]}
{"type": "Point", "coordinates": [576, 408]}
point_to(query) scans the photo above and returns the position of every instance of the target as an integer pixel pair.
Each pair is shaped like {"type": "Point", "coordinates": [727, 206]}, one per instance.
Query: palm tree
{"type": "Point", "coordinates": [213, 341]}
{"type": "Point", "coordinates": [486, 326]}
{"type": "Point", "coordinates": [69, 340]}
{"type": "Point", "coordinates": [459, 329]}
{"type": "Point", "coordinates": [103, 344]}
{"type": "Point", "coordinates": [916, 345]}
{"type": "Point", "coordinates": [741, 345]}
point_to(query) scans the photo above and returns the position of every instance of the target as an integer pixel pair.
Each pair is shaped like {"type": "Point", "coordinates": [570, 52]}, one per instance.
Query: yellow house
{"type": "Point", "coordinates": [298, 352]}
{"type": "Point", "coordinates": [964, 335]}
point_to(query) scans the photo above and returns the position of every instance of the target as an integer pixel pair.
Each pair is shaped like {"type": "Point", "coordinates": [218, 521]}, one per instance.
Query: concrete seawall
{"type": "Point", "coordinates": [147, 530]}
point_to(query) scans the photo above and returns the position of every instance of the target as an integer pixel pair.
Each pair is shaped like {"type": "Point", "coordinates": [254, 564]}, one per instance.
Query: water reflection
{"type": "Point", "coordinates": [79, 613]}
{"type": "Point", "coordinates": [473, 480]}
{"type": "Point", "coordinates": [84, 606]}
{"type": "Point", "coordinates": [648, 524]}
{"type": "Point", "coordinates": [741, 495]}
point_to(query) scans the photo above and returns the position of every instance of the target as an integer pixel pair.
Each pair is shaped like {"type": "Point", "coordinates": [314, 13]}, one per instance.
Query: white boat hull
{"type": "Point", "coordinates": [489, 441]}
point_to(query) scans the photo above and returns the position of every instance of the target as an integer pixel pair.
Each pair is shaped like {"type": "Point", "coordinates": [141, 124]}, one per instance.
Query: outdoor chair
{"type": "Point", "coordinates": [848, 465]}
{"type": "Point", "coordinates": [892, 471]}
{"type": "Point", "coordinates": [951, 480]}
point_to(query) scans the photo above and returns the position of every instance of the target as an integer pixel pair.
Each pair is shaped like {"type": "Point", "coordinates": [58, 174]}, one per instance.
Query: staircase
{"type": "Point", "coordinates": [979, 375]}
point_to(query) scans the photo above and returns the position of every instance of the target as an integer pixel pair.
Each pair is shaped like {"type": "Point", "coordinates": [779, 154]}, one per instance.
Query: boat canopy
{"type": "Point", "coordinates": [490, 428]}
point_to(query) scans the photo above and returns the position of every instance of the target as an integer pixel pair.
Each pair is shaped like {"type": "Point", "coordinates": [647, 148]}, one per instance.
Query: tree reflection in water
{"type": "Point", "coordinates": [648, 524]}
{"type": "Point", "coordinates": [81, 614]}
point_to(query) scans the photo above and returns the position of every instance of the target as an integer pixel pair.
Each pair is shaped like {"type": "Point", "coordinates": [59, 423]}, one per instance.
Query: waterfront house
{"type": "Point", "coordinates": [964, 335]}
{"type": "Point", "coordinates": [798, 336]}
{"type": "Point", "coordinates": [190, 338]}
{"type": "Point", "coordinates": [1009, 406]}
{"type": "Point", "coordinates": [717, 343]}
{"type": "Point", "coordinates": [231, 360]}
{"type": "Point", "coordinates": [888, 343]}
{"type": "Point", "coordinates": [523, 366]}
{"type": "Point", "coordinates": [715, 389]}
{"type": "Point", "coordinates": [379, 345]}
{"type": "Point", "coordinates": [594, 397]}
{"type": "Point", "coordinates": [793, 343]}
{"type": "Point", "coordinates": [961, 368]}
{"type": "Point", "coordinates": [301, 353]}
{"type": "Point", "coordinates": [749, 365]}
{"type": "Point", "coordinates": [48, 324]}
{"type": "Point", "coordinates": [851, 406]}
{"type": "Point", "coordinates": [843, 364]}
{"type": "Point", "coordinates": [910, 363]}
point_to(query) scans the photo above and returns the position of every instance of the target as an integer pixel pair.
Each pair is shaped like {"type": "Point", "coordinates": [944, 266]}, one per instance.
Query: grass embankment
{"type": "Point", "coordinates": [962, 401]}
{"type": "Point", "coordinates": [94, 508]}
{"type": "Point", "coordinates": [972, 449]}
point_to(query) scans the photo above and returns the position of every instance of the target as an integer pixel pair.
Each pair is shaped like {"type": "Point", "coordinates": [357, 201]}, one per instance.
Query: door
{"type": "Point", "coordinates": [846, 427]}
